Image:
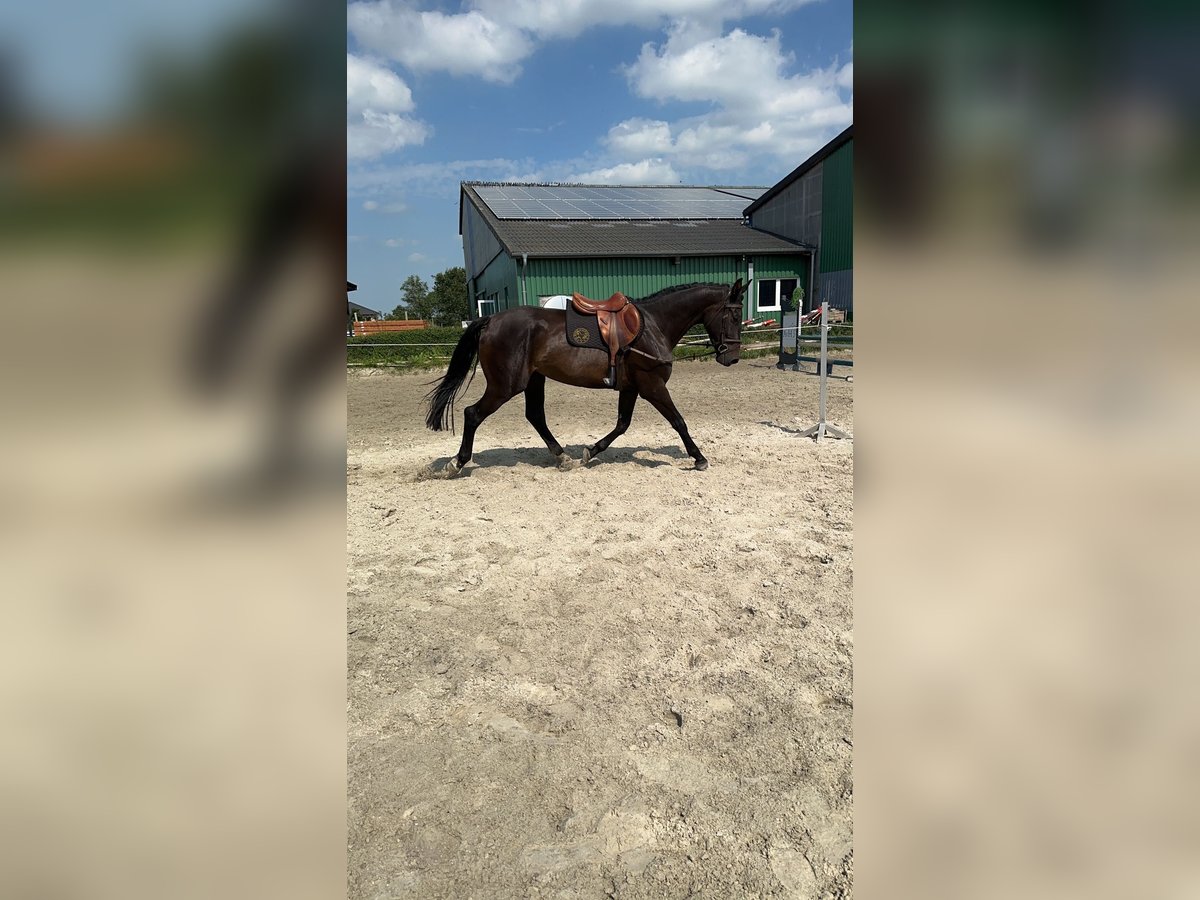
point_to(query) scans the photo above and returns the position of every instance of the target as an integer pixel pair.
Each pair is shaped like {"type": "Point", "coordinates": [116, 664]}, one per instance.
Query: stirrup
{"type": "Point", "coordinates": [611, 380]}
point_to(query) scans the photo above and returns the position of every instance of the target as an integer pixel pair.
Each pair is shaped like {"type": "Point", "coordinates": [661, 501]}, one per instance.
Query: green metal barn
{"type": "Point", "coordinates": [526, 243]}
{"type": "Point", "coordinates": [814, 205]}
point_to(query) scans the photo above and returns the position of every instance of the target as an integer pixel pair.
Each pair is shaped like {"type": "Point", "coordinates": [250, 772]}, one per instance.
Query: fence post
{"type": "Point", "coordinates": [823, 428]}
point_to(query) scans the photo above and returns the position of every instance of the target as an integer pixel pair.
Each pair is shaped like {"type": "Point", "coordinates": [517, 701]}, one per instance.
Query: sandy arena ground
{"type": "Point", "coordinates": [630, 679]}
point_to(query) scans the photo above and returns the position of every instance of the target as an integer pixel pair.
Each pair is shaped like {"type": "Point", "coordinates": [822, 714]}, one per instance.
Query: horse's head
{"type": "Point", "coordinates": [723, 321]}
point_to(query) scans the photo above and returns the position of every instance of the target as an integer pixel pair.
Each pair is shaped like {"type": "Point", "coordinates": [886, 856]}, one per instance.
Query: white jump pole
{"type": "Point", "coordinates": [823, 428]}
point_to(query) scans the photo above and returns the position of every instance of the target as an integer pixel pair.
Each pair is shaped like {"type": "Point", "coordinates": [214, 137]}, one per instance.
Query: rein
{"type": "Point", "coordinates": [724, 345]}
{"type": "Point", "coordinates": [720, 348]}
{"type": "Point", "coordinates": [713, 352]}
{"type": "Point", "coordinates": [633, 349]}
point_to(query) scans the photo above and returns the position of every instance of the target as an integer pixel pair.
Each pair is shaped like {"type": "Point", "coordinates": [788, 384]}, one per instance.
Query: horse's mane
{"type": "Point", "coordinates": [674, 289]}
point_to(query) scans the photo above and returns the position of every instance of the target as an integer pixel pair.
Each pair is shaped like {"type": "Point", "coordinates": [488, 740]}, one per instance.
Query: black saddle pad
{"type": "Point", "coordinates": [583, 330]}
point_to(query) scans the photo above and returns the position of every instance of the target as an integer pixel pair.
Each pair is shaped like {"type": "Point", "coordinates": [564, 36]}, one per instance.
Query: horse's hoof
{"type": "Point", "coordinates": [701, 465]}
{"type": "Point", "coordinates": [587, 457]}
{"type": "Point", "coordinates": [452, 468]}
{"type": "Point", "coordinates": [565, 462]}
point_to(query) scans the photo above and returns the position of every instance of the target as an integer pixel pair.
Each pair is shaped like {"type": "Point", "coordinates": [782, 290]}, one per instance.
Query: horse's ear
{"type": "Point", "coordinates": [736, 290]}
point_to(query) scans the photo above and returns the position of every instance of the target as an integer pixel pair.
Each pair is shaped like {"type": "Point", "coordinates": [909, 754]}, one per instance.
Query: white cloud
{"type": "Point", "coordinates": [392, 207]}
{"type": "Point", "coordinates": [725, 69]}
{"type": "Point", "coordinates": [371, 86]}
{"type": "Point", "coordinates": [638, 137]}
{"type": "Point", "coordinates": [378, 133]}
{"type": "Point", "coordinates": [845, 77]}
{"type": "Point", "coordinates": [738, 68]}
{"type": "Point", "coordinates": [468, 43]}
{"type": "Point", "coordinates": [394, 242]}
{"type": "Point", "coordinates": [417, 257]}
{"type": "Point", "coordinates": [568, 18]}
{"type": "Point", "coordinates": [646, 171]}
{"type": "Point", "coordinates": [757, 107]}
{"type": "Point", "coordinates": [376, 100]}
{"type": "Point", "coordinates": [492, 38]}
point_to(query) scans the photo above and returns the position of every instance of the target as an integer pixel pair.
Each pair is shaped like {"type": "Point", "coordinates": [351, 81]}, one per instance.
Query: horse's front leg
{"type": "Point", "coordinates": [657, 396]}
{"type": "Point", "coordinates": [625, 405]}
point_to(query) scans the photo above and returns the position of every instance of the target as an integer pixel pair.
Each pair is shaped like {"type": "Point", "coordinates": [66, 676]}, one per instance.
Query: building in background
{"type": "Point", "coordinates": [356, 312]}
{"type": "Point", "coordinates": [364, 314]}
{"type": "Point", "coordinates": [526, 243]}
{"type": "Point", "coordinates": [814, 205]}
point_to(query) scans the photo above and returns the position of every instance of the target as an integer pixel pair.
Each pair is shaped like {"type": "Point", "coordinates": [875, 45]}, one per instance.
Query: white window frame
{"type": "Point", "coordinates": [778, 307]}
{"type": "Point", "coordinates": [758, 295]}
{"type": "Point", "coordinates": [479, 306]}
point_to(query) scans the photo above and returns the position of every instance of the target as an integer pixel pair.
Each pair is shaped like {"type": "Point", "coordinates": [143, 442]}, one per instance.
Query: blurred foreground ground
{"type": "Point", "coordinates": [170, 510]}
{"type": "Point", "coordinates": [1026, 504]}
{"type": "Point", "coordinates": [171, 724]}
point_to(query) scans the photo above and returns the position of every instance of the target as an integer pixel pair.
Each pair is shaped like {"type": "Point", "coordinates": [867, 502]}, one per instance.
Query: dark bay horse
{"type": "Point", "coordinates": [520, 348]}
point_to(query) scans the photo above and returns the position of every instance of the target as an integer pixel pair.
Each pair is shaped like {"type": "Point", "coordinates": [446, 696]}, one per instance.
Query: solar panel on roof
{"type": "Point", "coordinates": [534, 201]}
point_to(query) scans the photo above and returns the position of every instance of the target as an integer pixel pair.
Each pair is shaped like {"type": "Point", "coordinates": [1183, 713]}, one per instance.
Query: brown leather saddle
{"type": "Point", "coordinates": [619, 322]}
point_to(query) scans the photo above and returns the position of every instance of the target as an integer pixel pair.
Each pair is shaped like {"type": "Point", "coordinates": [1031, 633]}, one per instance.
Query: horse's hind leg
{"type": "Point", "coordinates": [625, 406]}
{"type": "Point", "coordinates": [493, 398]}
{"type": "Point", "coordinates": [535, 412]}
{"type": "Point", "coordinates": [658, 397]}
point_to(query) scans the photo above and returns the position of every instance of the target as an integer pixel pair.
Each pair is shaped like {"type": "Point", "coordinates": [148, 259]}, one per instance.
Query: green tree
{"type": "Point", "coordinates": [414, 299]}
{"type": "Point", "coordinates": [448, 299]}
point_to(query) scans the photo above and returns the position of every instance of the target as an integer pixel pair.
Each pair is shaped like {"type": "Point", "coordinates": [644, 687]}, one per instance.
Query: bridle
{"type": "Point", "coordinates": [731, 328]}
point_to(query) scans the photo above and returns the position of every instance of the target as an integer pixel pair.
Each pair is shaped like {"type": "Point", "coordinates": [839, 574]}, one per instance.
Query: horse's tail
{"type": "Point", "coordinates": [463, 361]}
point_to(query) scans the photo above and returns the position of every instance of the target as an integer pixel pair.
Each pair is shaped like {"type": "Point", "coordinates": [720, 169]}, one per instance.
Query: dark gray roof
{"type": "Point", "coordinates": [797, 172]}
{"type": "Point", "coordinates": [643, 237]}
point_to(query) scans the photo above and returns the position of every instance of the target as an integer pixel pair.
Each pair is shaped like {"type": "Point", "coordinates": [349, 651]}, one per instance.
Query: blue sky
{"type": "Point", "coordinates": [76, 61]}
{"type": "Point", "coordinates": [602, 91]}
